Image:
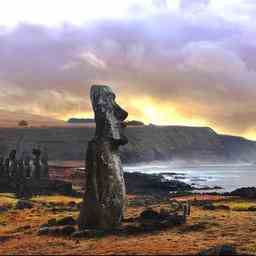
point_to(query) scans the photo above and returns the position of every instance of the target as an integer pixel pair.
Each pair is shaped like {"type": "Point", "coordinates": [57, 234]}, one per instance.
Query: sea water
{"type": "Point", "coordinates": [227, 176]}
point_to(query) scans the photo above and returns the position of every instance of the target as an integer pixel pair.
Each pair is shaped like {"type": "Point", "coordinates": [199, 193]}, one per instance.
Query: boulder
{"type": "Point", "coordinates": [66, 221]}
{"type": "Point", "coordinates": [152, 184]}
{"type": "Point", "coordinates": [56, 231]}
{"type": "Point", "coordinates": [68, 230]}
{"type": "Point", "coordinates": [24, 204]}
{"type": "Point", "coordinates": [3, 209]}
{"type": "Point", "coordinates": [223, 250]}
{"type": "Point", "coordinates": [88, 233]}
{"type": "Point", "coordinates": [149, 214]}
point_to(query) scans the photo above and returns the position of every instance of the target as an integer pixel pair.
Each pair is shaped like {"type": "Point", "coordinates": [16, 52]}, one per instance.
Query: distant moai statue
{"type": "Point", "coordinates": [20, 181]}
{"type": "Point", "coordinates": [7, 167]}
{"type": "Point", "coordinates": [27, 167]}
{"type": "Point", "coordinates": [21, 168]}
{"type": "Point", "coordinates": [13, 164]}
{"type": "Point", "coordinates": [36, 164]}
{"type": "Point", "coordinates": [105, 195]}
{"type": "Point", "coordinates": [1, 166]}
{"type": "Point", "coordinates": [44, 165]}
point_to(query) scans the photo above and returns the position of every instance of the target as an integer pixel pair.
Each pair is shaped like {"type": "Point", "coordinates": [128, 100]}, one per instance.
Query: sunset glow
{"type": "Point", "coordinates": [171, 62]}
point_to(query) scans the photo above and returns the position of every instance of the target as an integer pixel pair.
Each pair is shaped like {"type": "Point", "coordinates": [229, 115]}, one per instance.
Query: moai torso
{"type": "Point", "coordinates": [44, 165]}
{"type": "Point", "coordinates": [27, 167]}
{"type": "Point", "coordinates": [21, 173]}
{"type": "Point", "coordinates": [1, 166]}
{"type": "Point", "coordinates": [36, 164]}
{"type": "Point", "coordinates": [7, 167]}
{"type": "Point", "coordinates": [13, 164]}
{"type": "Point", "coordinates": [105, 196]}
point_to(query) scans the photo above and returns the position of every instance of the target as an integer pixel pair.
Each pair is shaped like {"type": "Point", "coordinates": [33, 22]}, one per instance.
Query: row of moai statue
{"type": "Point", "coordinates": [36, 168]}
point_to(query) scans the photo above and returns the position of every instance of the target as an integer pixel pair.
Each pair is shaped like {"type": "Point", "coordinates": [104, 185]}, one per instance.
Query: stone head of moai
{"type": "Point", "coordinates": [44, 157]}
{"type": "Point", "coordinates": [12, 155]}
{"type": "Point", "coordinates": [36, 153]}
{"type": "Point", "coordinates": [109, 116]}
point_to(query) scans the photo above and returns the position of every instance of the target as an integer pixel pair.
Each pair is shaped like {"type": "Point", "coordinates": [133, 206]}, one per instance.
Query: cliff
{"type": "Point", "coordinates": [146, 143]}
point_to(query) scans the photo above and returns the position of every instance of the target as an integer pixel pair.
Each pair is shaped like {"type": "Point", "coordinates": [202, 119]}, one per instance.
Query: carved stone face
{"type": "Point", "coordinates": [109, 116]}
{"type": "Point", "coordinates": [12, 155]}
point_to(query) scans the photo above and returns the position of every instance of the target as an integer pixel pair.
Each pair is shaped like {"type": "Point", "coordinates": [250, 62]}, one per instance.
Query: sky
{"type": "Point", "coordinates": [177, 62]}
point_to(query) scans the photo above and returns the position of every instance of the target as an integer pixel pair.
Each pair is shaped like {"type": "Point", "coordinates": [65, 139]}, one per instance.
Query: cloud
{"type": "Point", "coordinates": [192, 68]}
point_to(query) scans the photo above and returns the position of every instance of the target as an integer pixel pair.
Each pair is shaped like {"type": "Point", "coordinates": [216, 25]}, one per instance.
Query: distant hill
{"type": "Point", "coordinates": [81, 121]}
{"type": "Point", "coordinates": [12, 119]}
{"type": "Point", "coordinates": [134, 123]}
{"type": "Point", "coordinates": [146, 143]}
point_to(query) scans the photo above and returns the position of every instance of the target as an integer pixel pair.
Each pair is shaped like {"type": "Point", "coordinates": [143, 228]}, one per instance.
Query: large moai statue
{"type": "Point", "coordinates": [36, 164]}
{"type": "Point", "coordinates": [105, 195]}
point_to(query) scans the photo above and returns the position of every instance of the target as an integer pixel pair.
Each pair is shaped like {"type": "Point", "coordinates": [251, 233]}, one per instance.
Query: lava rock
{"type": "Point", "coordinates": [197, 227]}
{"type": "Point", "coordinates": [149, 214]}
{"type": "Point", "coordinates": [88, 233]}
{"type": "Point", "coordinates": [66, 221]}
{"type": "Point", "coordinates": [223, 250]}
{"type": "Point", "coordinates": [24, 204]}
{"type": "Point", "coordinates": [3, 209]}
{"type": "Point", "coordinates": [43, 231]}
{"type": "Point", "coordinates": [206, 205]}
{"type": "Point", "coordinates": [252, 209]}
{"type": "Point", "coordinates": [223, 207]}
{"type": "Point", "coordinates": [72, 204]}
{"type": "Point", "coordinates": [68, 230]}
{"type": "Point", "coordinates": [56, 231]}
{"type": "Point", "coordinates": [152, 184]}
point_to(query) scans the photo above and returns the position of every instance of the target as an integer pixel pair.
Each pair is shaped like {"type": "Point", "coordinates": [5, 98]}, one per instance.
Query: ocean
{"type": "Point", "coordinates": [227, 176]}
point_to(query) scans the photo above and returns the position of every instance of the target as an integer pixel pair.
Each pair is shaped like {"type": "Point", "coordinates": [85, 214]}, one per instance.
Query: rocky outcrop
{"type": "Point", "coordinates": [105, 195]}
{"type": "Point", "coordinates": [249, 192]}
{"type": "Point", "coordinates": [149, 184]}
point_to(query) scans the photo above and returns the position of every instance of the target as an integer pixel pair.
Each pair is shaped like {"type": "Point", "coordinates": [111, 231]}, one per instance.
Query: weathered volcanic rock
{"type": "Point", "coordinates": [24, 204]}
{"type": "Point", "coordinates": [223, 250]}
{"type": "Point", "coordinates": [140, 183]}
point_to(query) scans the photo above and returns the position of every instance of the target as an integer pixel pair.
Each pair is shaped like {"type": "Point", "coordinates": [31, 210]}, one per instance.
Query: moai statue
{"type": "Point", "coordinates": [36, 164]}
{"type": "Point", "coordinates": [105, 195]}
{"type": "Point", "coordinates": [21, 168]}
{"type": "Point", "coordinates": [1, 166]}
{"type": "Point", "coordinates": [13, 164]}
{"type": "Point", "coordinates": [27, 167]}
{"type": "Point", "coordinates": [7, 167]}
{"type": "Point", "coordinates": [20, 181]}
{"type": "Point", "coordinates": [44, 165]}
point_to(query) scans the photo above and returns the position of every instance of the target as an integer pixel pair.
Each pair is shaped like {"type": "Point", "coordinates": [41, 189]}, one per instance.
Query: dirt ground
{"type": "Point", "coordinates": [204, 229]}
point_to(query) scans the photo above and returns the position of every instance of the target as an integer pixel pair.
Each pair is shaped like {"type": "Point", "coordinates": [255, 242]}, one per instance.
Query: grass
{"type": "Point", "coordinates": [239, 205]}
{"type": "Point", "coordinates": [57, 199]}
{"type": "Point", "coordinates": [7, 200]}
{"type": "Point", "coordinates": [204, 229]}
